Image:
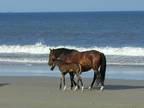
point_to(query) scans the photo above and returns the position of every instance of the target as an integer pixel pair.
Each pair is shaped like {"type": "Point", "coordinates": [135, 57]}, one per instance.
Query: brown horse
{"type": "Point", "coordinates": [69, 68]}
{"type": "Point", "coordinates": [88, 60]}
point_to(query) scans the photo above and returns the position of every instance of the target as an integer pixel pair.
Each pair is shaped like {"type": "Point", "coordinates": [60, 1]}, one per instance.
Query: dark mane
{"type": "Point", "coordinates": [62, 50]}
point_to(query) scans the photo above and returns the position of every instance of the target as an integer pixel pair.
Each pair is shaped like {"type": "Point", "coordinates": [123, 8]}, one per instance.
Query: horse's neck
{"type": "Point", "coordinates": [59, 63]}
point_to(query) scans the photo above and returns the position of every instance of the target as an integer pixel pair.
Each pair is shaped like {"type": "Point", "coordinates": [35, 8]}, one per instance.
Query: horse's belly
{"type": "Point", "coordinates": [86, 68]}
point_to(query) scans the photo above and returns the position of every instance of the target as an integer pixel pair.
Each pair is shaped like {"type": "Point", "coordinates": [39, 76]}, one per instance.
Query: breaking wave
{"type": "Point", "coordinates": [40, 48]}
{"type": "Point", "coordinates": [38, 53]}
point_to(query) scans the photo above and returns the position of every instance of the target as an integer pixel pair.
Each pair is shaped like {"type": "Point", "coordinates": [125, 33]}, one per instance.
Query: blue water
{"type": "Point", "coordinates": [29, 69]}
{"type": "Point", "coordinates": [115, 29]}
{"type": "Point", "coordinates": [25, 38]}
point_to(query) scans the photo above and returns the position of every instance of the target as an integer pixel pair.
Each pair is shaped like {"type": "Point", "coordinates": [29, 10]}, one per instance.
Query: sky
{"type": "Point", "coordinates": [70, 5]}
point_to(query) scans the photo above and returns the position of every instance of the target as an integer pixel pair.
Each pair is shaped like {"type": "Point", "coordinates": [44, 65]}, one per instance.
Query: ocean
{"type": "Point", "coordinates": [25, 40]}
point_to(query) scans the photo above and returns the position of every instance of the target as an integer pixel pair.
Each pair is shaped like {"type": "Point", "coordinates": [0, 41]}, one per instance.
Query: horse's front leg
{"type": "Point", "coordinates": [77, 84]}
{"type": "Point", "coordinates": [63, 79]}
{"type": "Point", "coordinates": [72, 80]}
{"type": "Point", "coordinates": [60, 86]}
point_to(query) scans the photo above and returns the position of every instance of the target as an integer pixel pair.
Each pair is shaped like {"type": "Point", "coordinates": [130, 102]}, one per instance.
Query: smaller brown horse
{"type": "Point", "coordinates": [72, 68]}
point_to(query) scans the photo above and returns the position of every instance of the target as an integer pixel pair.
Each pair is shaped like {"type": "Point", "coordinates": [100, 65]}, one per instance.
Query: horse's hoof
{"type": "Point", "coordinates": [64, 88]}
{"type": "Point", "coordinates": [82, 88]}
{"type": "Point", "coordinates": [89, 88]}
{"type": "Point", "coordinates": [75, 88]}
{"type": "Point", "coordinates": [102, 88]}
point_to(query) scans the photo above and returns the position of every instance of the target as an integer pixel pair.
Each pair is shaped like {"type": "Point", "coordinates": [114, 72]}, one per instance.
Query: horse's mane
{"type": "Point", "coordinates": [62, 50]}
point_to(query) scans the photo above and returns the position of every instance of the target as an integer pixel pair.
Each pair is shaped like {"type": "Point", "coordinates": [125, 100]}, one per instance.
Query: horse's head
{"type": "Point", "coordinates": [57, 53]}
{"type": "Point", "coordinates": [52, 58]}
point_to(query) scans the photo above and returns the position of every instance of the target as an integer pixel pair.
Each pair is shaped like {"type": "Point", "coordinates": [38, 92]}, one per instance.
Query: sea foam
{"type": "Point", "coordinates": [40, 48]}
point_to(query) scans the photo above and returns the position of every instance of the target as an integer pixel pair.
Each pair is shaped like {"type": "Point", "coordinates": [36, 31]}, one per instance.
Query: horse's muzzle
{"type": "Point", "coordinates": [52, 66]}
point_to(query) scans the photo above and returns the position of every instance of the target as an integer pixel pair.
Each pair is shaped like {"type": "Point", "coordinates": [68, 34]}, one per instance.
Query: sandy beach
{"type": "Point", "coordinates": [43, 92]}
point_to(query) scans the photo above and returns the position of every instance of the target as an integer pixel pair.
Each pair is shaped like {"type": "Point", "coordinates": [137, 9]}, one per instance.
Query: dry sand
{"type": "Point", "coordinates": [43, 92]}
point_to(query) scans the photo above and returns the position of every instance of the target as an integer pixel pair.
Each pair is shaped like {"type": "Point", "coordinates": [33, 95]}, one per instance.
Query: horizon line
{"type": "Point", "coordinates": [70, 11]}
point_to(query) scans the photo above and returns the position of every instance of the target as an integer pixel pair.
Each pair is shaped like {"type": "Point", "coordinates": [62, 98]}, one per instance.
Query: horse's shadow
{"type": "Point", "coordinates": [4, 84]}
{"type": "Point", "coordinates": [122, 87]}
{"type": "Point", "coordinates": [118, 87]}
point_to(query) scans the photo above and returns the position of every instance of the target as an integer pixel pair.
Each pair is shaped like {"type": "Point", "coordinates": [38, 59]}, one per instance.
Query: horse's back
{"type": "Point", "coordinates": [69, 67]}
{"type": "Point", "coordinates": [87, 59]}
{"type": "Point", "coordinates": [65, 50]}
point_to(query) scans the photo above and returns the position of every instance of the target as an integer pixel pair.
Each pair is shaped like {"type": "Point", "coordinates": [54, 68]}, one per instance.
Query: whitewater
{"type": "Point", "coordinates": [40, 48]}
{"type": "Point", "coordinates": [38, 53]}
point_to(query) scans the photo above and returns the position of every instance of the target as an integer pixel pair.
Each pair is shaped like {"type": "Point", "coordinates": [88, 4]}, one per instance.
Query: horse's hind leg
{"type": "Point", "coordinates": [75, 84]}
{"type": "Point", "coordinates": [102, 84]}
{"type": "Point", "coordinates": [94, 78]}
{"type": "Point", "coordinates": [81, 83]}
{"type": "Point", "coordinates": [98, 79]}
{"type": "Point", "coordinates": [72, 80]}
{"type": "Point", "coordinates": [78, 78]}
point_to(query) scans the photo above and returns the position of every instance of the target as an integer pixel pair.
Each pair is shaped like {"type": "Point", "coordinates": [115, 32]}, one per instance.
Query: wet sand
{"type": "Point", "coordinates": [43, 92]}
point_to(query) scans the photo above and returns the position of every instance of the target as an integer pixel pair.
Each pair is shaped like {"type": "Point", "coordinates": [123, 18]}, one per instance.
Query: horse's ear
{"type": "Point", "coordinates": [50, 49]}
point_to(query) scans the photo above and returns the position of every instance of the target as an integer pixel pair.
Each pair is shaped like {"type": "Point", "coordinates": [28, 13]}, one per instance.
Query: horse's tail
{"type": "Point", "coordinates": [103, 67]}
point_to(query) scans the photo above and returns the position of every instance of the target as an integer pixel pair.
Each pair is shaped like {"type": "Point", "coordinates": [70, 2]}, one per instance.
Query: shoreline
{"type": "Point", "coordinates": [38, 91]}
{"type": "Point", "coordinates": [112, 72]}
